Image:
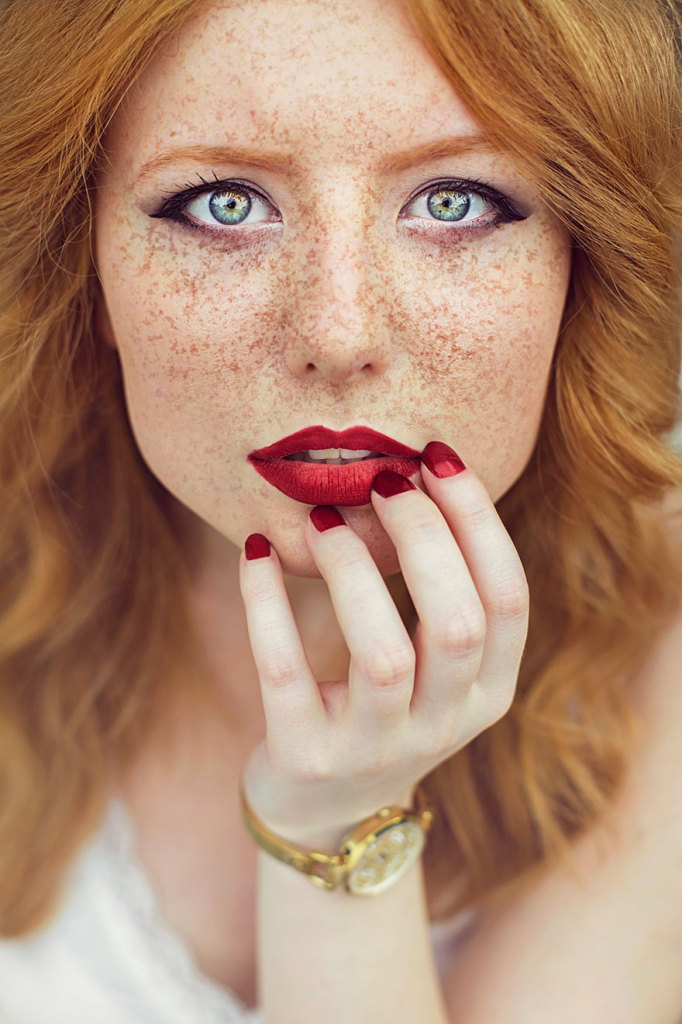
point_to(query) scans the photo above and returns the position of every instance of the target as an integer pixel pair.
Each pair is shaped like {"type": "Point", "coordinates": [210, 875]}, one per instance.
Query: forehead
{"type": "Point", "coordinates": [341, 77]}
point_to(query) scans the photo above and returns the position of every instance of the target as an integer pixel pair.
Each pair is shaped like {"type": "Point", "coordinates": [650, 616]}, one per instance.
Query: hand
{"type": "Point", "coordinates": [324, 765]}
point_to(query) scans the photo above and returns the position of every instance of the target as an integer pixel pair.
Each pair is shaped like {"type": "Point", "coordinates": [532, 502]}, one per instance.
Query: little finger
{"type": "Point", "coordinates": [293, 707]}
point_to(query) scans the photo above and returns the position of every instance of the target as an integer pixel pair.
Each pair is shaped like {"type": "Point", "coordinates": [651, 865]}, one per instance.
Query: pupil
{"type": "Point", "coordinates": [229, 207]}
{"type": "Point", "coordinates": [448, 204]}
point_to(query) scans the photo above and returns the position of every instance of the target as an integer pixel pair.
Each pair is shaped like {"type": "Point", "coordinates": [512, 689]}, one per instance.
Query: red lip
{"type": "Point", "coordinates": [331, 485]}
{"type": "Point", "coordinates": [315, 438]}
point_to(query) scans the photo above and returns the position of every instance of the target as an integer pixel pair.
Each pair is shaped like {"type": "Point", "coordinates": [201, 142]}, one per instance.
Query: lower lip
{"type": "Point", "coordinates": [347, 484]}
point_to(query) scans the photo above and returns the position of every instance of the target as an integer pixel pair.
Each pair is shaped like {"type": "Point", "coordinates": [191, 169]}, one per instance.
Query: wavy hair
{"type": "Point", "coordinates": [94, 621]}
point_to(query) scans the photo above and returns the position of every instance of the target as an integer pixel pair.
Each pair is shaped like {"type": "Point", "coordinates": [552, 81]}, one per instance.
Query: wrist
{"type": "Point", "coordinates": [325, 833]}
{"type": "Point", "coordinates": [312, 815]}
{"type": "Point", "coordinates": [366, 858]}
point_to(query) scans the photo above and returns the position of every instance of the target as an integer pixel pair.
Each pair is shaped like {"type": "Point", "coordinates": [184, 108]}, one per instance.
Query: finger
{"type": "Point", "coordinates": [381, 653]}
{"type": "Point", "coordinates": [292, 703]}
{"type": "Point", "coordinates": [494, 565]}
{"type": "Point", "coordinates": [452, 625]}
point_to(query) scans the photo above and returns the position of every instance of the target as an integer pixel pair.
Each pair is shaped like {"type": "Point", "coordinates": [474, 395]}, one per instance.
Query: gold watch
{"type": "Point", "coordinates": [373, 856]}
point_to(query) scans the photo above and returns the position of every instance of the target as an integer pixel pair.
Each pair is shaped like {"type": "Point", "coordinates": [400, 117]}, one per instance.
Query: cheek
{"type": "Point", "coordinates": [190, 341]}
{"type": "Point", "coordinates": [485, 326]}
{"type": "Point", "coordinates": [201, 338]}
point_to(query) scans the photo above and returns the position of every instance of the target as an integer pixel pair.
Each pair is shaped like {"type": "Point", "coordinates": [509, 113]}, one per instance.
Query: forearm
{"type": "Point", "coordinates": [328, 956]}
{"type": "Point", "coordinates": [336, 752]}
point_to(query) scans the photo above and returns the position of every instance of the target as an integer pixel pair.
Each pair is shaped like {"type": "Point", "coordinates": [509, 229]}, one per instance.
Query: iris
{"type": "Point", "coordinates": [229, 207]}
{"type": "Point", "coordinates": [447, 204]}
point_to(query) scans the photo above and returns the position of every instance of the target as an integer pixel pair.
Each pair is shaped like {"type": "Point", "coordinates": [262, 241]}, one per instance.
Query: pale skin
{"type": "Point", "coordinates": [342, 301]}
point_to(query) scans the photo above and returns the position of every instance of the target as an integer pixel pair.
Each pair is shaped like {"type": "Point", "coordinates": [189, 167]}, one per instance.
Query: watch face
{"type": "Point", "coordinates": [387, 858]}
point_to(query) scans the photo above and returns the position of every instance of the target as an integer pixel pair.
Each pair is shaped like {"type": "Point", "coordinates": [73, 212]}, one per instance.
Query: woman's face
{"type": "Point", "coordinates": [366, 261]}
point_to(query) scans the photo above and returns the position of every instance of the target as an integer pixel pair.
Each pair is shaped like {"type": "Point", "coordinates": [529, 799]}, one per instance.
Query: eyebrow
{"type": "Point", "coordinates": [452, 146]}
{"type": "Point", "coordinates": [216, 155]}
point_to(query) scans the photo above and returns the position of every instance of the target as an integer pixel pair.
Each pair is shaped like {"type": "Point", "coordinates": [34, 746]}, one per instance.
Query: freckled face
{"type": "Point", "coordinates": [352, 267]}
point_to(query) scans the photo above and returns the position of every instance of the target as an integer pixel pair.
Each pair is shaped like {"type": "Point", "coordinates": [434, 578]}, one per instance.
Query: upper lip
{"type": "Point", "coordinates": [316, 438]}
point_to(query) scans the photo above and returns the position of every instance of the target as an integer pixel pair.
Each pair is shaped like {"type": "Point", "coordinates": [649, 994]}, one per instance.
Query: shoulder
{"type": "Point", "coordinates": [601, 933]}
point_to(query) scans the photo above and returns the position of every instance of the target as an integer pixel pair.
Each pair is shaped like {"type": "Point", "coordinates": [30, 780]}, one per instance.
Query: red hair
{"type": "Point", "coordinates": [94, 626]}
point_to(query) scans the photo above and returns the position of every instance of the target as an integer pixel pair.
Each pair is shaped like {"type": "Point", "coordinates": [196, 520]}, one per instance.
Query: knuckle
{"type": "Point", "coordinates": [280, 668]}
{"type": "Point", "coordinates": [388, 665]}
{"type": "Point", "coordinates": [477, 514]}
{"type": "Point", "coordinates": [510, 598]}
{"type": "Point", "coordinates": [461, 633]}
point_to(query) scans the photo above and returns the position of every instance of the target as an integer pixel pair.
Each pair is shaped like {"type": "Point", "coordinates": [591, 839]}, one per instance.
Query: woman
{"type": "Point", "coordinates": [429, 246]}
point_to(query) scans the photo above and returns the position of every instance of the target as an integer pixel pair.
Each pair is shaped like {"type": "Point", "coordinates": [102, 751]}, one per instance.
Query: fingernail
{"type": "Point", "coordinates": [256, 546]}
{"type": "Point", "coordinates": [386, 483]}
{"type": "Point", "coordinates": [326, 517]}
{"type": "Point", "coordinates": [441, 459]}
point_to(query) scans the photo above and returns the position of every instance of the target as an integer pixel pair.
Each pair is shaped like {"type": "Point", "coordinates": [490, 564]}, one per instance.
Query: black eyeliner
{"type": "Point", "coordinates": [506, 209]}
{"type": "Point", "coordinates": [173, 206]}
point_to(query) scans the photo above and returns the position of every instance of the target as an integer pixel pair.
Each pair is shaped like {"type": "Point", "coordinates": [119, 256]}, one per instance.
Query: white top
{"type": "Point", "coordinates": [109, 957]}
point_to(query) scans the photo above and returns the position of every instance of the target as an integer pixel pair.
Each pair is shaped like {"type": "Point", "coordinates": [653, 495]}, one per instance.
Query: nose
{"type": "Point", "coordinates": [338, 323]}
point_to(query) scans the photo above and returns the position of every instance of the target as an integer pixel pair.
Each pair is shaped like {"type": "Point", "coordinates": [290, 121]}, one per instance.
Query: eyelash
{"type": "Point", "coordinates": [174, 205]}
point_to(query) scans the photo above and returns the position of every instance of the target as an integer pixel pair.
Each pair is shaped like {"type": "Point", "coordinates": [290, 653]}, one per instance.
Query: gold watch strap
{"type": "Point", "coordinates": [326, 870]}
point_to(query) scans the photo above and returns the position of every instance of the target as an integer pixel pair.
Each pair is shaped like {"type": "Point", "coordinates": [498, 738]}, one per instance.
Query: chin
{"type": "Point", "coordinates": [296, 559]}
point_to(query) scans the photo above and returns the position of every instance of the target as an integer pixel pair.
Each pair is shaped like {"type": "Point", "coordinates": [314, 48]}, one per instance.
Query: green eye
{"type": "Point", "coordinates": [448, 204]}
{"type": "Point", "coordinates": [230, 206]}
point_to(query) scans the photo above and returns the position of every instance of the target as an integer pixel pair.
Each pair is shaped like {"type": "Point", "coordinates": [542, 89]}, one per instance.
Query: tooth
{"type": "Point", "coordinates": [334, 456]}
{"type": "Point", "coordinates": [323, 453]}
{"type": "Point", "coordinates": [338, 453]}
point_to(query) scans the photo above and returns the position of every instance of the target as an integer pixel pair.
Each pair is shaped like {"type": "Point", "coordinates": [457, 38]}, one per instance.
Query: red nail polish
{"type": "Point", "coordinates": [387, 483]}
{"type": "Point", "coordinates": [256, 546]}
{"type": "Point", "coordinates": [441, 459]}
{"type": "Point", "coordinates": [326, 517]}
